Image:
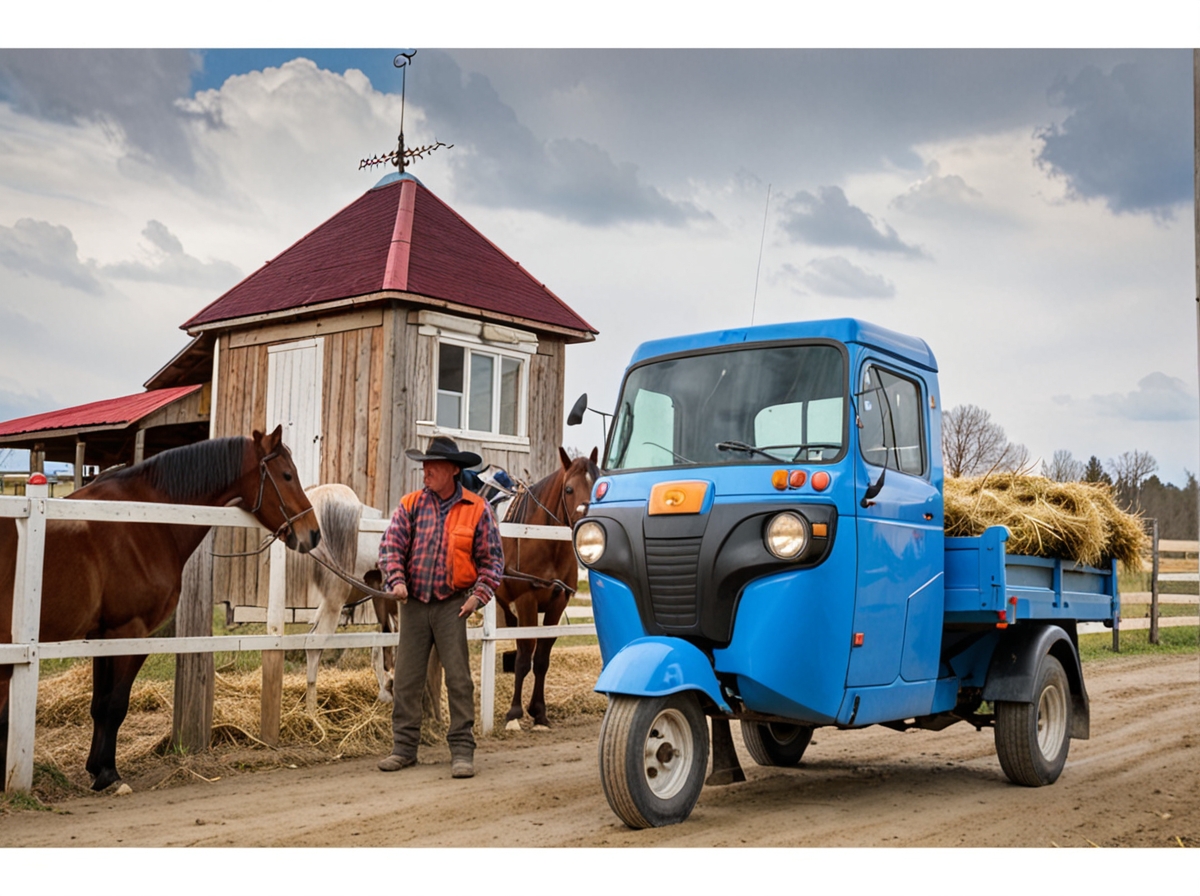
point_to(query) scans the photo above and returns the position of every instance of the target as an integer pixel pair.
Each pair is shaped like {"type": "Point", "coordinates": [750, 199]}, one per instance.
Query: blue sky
{"type": "Point", "coordinates": [1027, 212]}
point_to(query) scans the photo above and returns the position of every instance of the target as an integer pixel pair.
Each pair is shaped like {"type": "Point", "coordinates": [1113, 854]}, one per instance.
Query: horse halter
{"type": "Point", "coordinates": [265, 475]}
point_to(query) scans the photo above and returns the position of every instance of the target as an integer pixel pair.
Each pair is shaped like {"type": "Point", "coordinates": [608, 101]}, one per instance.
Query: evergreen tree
{"type": "Point", "coordinates": [1094, 471]}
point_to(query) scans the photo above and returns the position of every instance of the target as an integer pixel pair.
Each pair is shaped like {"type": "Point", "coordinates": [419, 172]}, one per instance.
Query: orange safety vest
{"type": "Point", "coordinates": [459, 538]}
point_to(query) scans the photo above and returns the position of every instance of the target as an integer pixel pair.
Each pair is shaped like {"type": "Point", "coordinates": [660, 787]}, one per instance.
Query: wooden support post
{"type": "Point", "coordinates": [195, 674]}
{"type": "Point", "coordinates": [139, 446]}
{"type": "Point", "coordinates": [272, 660]}
{"type": "Point", "coordinates": [26, 615]}
{"type": "Point", "coordinates": [80, 452]}
{"type": "Point", "coordinates": [37, 458]}
{"type": "Point", "coordinates": [1154, 581]}
{"type": "Point", "coordinates": [487, 669]}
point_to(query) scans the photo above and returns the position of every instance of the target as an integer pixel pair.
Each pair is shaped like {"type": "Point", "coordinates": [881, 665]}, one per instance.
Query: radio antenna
{"type": "Point", "coordinates": [401, 156]}
{"type": "Point", "coordinates": [762, 239]}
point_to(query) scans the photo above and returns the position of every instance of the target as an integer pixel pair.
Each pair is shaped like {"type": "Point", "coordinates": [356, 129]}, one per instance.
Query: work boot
{"type": "Point", "coordinates": [395, 762]}
{"type": "Point", "coordinates": [462, 767]}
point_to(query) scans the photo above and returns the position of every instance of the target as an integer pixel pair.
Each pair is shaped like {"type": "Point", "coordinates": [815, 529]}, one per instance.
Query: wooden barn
{"type": "Point", "coordinates": [392, 322]}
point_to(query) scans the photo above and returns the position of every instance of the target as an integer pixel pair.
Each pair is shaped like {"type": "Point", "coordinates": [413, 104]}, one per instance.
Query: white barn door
{"type": "Point", "coordinates": [294, 375]}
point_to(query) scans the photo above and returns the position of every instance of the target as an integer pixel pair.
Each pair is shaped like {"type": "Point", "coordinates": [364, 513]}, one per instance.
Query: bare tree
{"type": "Point", "coordinates": [1063, 467]}
{"type": "Point", "coordinates": [974, 444]}
{"type": "Point", "coordinates": [1130, 472]}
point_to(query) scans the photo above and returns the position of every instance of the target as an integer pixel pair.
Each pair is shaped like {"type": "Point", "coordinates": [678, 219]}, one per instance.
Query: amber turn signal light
{"type": "Point", "coordinates": [677, 497]}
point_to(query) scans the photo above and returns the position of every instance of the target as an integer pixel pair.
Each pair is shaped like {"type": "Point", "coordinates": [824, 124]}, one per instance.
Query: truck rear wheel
{"type": "Point", "coordinates": [773, 743]}
{"type": "Point", "coordinates": [1032, 739]}
{"type": "Point", "coordinates": [653, 755]}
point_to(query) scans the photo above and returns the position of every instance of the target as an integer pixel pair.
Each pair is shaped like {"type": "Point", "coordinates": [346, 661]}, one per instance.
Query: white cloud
{"type": "Point", "coordinates": [838, 277]}
{"type": "Point", "coordinates": [41, 249]}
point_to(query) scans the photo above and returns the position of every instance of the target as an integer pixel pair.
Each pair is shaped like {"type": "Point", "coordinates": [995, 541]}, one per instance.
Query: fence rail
{"type": "Point", "coordinates": [31, 514]}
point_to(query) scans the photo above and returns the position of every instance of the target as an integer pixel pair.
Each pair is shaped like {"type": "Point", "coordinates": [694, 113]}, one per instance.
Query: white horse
{"type": "Point", "coordinates": [339, 512]}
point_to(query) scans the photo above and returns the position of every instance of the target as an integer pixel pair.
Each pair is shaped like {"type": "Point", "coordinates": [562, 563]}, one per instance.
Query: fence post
{"type": "Point", "coordinates": [191, 725]}
{"type": "Point", "coordinates": [487, 668]}
{"type": "Point", "coordinates": [26, 616]}
{"type": "Point", "coordinates": [1154, 581]}
{"type": "Point", "coordinates": [272, 660]}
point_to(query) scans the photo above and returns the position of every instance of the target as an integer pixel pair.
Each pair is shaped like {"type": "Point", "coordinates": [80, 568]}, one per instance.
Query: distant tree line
{"type": "Point", "coordinates": [974, 445]}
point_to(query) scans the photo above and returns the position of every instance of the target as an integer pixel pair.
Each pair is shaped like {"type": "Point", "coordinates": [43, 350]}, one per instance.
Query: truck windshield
{"type": "Point", "coordinates": [768, 404]}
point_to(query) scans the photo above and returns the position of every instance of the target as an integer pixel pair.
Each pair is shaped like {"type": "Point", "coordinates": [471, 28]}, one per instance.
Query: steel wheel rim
{"type": "Point", "coordinates": [783, 734]}
{"type": "Point", "coordinates": [1051, 720]}
{"type": "Point", "coordinates": [666, 755]}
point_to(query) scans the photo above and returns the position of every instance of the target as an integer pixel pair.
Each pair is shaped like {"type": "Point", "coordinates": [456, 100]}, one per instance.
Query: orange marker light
{"type": "Point", "coordinates": [858, 639]}
{"type": "Point", "coordinates": [820, 530]}
{"type": "Point", "coordinates": [779, 479]}
{"type": "Point", "coordinates": [820, 480]}
{"type": "Point", "coordinates": [677, 497]}
{"type": "Point", "coordinates": [797, 478]}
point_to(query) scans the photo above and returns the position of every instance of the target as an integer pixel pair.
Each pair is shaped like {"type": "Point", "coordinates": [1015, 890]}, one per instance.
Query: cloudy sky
{"type": "Point", "coordinates": [1027, 212]}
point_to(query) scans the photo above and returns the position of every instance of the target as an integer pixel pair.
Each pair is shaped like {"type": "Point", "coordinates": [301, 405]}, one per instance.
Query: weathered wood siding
{"type": "Point", "coordinates": [378, 381]}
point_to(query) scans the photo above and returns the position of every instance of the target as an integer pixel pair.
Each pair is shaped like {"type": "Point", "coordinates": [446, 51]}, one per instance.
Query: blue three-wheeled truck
{"type": "Point", "coordinates": [766, 544]}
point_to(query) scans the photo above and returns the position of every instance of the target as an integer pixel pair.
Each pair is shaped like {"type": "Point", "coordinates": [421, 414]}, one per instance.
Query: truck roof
{"type": "Point", "coordinates": [844, 329]}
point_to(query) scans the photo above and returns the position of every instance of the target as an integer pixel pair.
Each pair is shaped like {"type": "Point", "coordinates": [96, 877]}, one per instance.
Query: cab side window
{"type": "Point", "coordinates": [892, 434]}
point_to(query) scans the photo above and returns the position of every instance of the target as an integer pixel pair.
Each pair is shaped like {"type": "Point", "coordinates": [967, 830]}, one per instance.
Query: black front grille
{"type": "Point", "coordinates": [671, 569]}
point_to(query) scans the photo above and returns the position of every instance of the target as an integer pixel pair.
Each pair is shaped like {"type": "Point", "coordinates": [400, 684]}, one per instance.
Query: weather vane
{"type": "Point", "coordinates": [400, 156]}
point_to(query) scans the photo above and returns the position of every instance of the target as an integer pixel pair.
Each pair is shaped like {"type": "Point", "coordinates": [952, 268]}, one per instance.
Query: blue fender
{"type": "Point", "coordinates": [655, 666]}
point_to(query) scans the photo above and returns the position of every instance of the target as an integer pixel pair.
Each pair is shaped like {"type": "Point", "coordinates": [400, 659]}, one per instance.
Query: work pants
{"type": "Point", "coordinates": [421, 627]}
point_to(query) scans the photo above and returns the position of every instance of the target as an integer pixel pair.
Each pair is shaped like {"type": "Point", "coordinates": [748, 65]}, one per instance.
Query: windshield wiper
{"type": "Point", "coordinates": [766, 450]}
{"type": "Point", "coordinates": [678, 457]}
{"type": "Point", "coordinates": [732, 445]}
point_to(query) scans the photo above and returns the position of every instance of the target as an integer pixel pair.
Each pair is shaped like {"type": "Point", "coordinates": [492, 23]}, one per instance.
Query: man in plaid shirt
{"type": "Point", "coordinates": [442, 547]}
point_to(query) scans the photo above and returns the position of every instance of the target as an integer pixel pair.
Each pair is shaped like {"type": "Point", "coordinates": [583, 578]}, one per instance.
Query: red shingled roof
{"type": "Point", "coordinates": [110, 412]}
{"type": "Point", "coordinates": [397, 236]}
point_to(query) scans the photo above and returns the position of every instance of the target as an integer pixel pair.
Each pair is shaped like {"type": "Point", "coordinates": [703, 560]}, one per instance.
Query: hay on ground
{"type": "Point", "coordinates": [1076, 521]}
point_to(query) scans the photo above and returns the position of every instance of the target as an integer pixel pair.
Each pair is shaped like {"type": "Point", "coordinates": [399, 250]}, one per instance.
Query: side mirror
{"type": "Point", "coordinates": [873, 490]}
{"type": "Point", "coordinates": [576, 416]}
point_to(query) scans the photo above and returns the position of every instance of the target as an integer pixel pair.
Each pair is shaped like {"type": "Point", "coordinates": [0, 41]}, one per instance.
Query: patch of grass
{"type": "Point", "coordinates": [1132, 580]}
{"type": "Point", "coordinates": [1183, 639]}
{"type": "Point", "coordinates": [21, 801]}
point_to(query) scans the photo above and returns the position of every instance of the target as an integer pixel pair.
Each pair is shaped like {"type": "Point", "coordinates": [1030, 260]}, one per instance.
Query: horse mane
{"type": "Point", "coordinates": [530, 497]}
{"type": "Point", "coordinates": [190, 471]}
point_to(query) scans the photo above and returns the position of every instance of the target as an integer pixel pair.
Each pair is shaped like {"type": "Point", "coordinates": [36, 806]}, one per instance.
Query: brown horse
{"type": "Point", "coordinates": [122, 580]}
{"type": "Point", "coordinates": [539, 575]}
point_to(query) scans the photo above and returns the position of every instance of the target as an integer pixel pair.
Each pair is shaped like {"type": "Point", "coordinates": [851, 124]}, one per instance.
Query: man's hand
{"type": "Point", "coordinates": [470, 605]}
{"type": "Point", "coordinates": [401, 592]}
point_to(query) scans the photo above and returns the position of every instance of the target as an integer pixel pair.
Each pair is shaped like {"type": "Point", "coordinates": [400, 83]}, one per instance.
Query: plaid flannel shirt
{"type": "Point", "coordinates": [426, 575]}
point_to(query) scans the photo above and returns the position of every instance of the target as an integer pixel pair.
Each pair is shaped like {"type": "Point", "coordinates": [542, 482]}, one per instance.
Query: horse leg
{"type": "Point", "coordinates": [324, 623]}
{"type": "Point", "coordinates": [102, 678]}
{"type": "Point", "coordinates": [124, 670]}
{"type": "Point", "coordinates": [526, 613]}
{"type": "Point", "coordinates": [541, 662]}
{"type": "Point", "coordinates": [382, 658]}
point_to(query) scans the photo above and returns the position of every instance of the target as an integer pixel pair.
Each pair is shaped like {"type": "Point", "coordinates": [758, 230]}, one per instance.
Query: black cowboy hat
{"type": "Point", "coordinates": [443, 448]}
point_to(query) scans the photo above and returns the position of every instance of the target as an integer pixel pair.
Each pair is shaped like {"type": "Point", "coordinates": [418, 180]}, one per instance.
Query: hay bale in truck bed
{"type": "Point", "coordinates": [1077, 521]}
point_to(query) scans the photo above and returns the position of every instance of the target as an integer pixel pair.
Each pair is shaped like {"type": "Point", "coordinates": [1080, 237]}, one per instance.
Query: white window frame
{"type": "Point", "coordinates": [473, 336]}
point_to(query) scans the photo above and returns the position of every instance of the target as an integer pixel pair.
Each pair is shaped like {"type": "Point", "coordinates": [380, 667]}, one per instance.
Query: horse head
{"type": "Point", "coordinates": [579, 475]}
{"type": "Point", "coordinates": [279, 501]}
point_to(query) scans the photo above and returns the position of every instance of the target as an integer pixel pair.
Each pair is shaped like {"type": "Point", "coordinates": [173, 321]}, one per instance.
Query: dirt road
{"type": "Point", "coordinates": [1135, 783]}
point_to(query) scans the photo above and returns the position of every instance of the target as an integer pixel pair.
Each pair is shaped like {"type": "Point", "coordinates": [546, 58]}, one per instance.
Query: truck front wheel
{"type": "Point", "coordinates": [653, 754]}
{"type": "Point", "coordinates": [771, 743]}
{"type": "Point", "coordinates": [1032, 739]}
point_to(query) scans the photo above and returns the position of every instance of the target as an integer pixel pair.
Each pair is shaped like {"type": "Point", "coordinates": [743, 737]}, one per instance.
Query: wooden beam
{"type": "Point", "coordinates": [80, 453]}
{"type": "Point", "coordinates": [139, 446]}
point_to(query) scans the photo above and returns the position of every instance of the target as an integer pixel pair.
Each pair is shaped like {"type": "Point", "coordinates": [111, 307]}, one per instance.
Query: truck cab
{"type": "Point", "coordinates": [767, 544]}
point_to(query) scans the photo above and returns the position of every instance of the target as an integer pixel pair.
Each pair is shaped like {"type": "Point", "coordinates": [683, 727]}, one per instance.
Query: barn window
{"type": "Point", "coordinates": [479, 389]}
{"type": "Point", "coordinates": [480, 378]}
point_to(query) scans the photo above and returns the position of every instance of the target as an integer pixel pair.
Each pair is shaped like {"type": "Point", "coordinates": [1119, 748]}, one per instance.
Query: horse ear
{"type": "Point", "coordinates": [595, 455]}
{"type": "Point", "coordinates": [275, 438]}
{"type": "Point", "coordinates": [564, 457]}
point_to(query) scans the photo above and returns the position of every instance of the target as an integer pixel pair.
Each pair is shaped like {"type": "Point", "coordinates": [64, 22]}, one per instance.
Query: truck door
{"type": "Point", "coordinates": [899, 601]}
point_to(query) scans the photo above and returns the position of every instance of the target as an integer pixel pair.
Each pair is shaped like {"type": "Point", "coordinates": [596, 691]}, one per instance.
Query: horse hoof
{"type": "Point", "coordinates": [541, 727]}
{"type": "Point", "coordinates": [512, 725]}
{"type": "Point", "coordinates": [105, 780]}
{"type": "Point", "coordinates": [385, 696]}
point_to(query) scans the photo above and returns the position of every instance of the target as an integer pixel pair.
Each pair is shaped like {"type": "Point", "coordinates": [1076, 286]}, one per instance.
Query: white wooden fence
{"type": "Point", "coordinates": [33, 511]}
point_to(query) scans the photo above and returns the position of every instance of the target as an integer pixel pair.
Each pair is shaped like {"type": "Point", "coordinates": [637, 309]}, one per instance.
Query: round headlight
{"type": "Point", "coordinates": [787, 535]}
{"type": "Point", "coordinates": [589, 542]}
